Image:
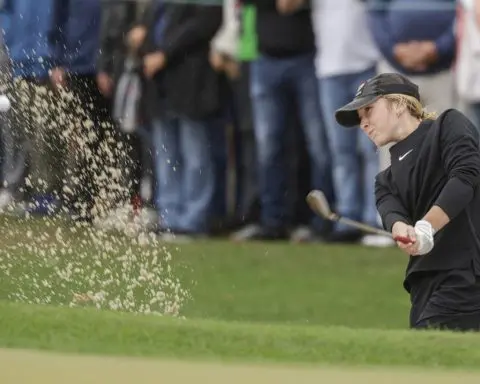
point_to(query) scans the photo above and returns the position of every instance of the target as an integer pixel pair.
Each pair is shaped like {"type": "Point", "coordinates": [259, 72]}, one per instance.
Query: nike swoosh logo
{"type": "Point", "coordinates": [400, 158]}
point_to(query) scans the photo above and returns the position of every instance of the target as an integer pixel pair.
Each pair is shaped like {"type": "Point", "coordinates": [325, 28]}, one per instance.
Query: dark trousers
{"type": "Point", "coordinates": [445, 300]}
{"type": "Point", "coordinates": [93, 151]}
{"type": "Point", "coordinates": [33, 146]}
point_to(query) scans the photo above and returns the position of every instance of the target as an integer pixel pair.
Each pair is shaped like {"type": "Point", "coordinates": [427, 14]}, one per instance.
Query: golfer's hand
{"type": "Point", "coordinates": [424, 233]}
{"type": "Point", "coordinates": [405, 231]}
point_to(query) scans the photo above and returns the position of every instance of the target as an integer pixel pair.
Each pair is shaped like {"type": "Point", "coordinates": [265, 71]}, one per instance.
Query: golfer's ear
{"type": "Point", "coordinates": [399, 108]}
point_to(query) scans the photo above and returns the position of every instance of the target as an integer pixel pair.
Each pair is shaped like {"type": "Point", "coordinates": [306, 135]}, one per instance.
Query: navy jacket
{"type": "Point", "coordinates": [41, 35]}
{"type": "Point", "coordinates": [32, 35]}
{"type": "Point", "coordinates": [396, 21]}
{"type": "Point", "coordinates": [82, 35]}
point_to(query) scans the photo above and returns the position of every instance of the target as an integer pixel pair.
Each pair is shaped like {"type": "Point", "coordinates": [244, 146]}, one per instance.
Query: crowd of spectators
{"type": "Point", "coordinates": [214, 118]}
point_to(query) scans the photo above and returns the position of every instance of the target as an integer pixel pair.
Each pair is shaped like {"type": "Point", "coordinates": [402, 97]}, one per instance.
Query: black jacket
{"type": "Point", "coordinates": [438, 164]}
{"type": "Point", "coordinates": [283, 35]}
{"type": "Point", "coordinates": [118, 17]}
{"type": "Point", "coordinates": [188, 84]}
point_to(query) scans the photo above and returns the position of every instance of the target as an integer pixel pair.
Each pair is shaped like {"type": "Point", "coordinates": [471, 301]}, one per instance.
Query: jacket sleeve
{"type": "Point", "coordinates": [446, 45]}
{"type": "Point", "coordinates": [460, 154]}
{"type": "Point", "coordinates": [389, 206]}
{"type": "Point", "coordinates": [117, 19]}
{"type": "Point", "coordinates": [380, 29]}
{"type": "Point", "coordinates": [200, 28]}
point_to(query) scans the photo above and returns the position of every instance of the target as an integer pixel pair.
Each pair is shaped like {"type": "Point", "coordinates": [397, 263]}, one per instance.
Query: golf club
{"type": "Point", "coordinates": [319, 204]}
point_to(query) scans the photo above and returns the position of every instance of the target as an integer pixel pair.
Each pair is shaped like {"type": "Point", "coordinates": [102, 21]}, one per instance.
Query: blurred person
{"type": "Point", "coordinates": [284, 71]}
{"type": "Point", "coordinates": [229, 58]}
{"type": "Point", "coordinates": [87, 110]}
{"type": "Point", "coordinates": [33, 41]}
{"type": "Point", "coordinates": [120, 79]}
{"type": "Point", "coordinates": [191, 101]}
{"type": "Point", "coordinates": [5, 79]}
{"type": "Point", "coordinates": [343, 62]}
{"type": "Point", "coordinates": [417, 39]}
{"type": "Point", "coordinates": [239, 52]}
{"type": "Point", "coordinates": [467, 67]}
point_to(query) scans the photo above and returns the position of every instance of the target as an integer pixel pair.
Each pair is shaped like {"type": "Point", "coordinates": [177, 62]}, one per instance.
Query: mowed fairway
{"type": "Point", "coordinates": [262, 312]}
{"type": "Point", "coordinates": [42, 368]}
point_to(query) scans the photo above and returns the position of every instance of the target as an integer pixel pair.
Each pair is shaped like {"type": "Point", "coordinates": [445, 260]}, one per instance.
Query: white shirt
{"type": "Point", "coordinates": [344, 42]}
{"type": "Point", "coordinates": [227, 37]}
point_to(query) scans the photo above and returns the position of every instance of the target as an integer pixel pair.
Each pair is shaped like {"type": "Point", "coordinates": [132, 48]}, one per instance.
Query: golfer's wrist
{"type": "Point", "coordinates": [426, 226]}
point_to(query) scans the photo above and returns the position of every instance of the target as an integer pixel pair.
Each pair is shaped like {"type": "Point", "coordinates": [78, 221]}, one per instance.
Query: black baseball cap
{"type": "Point", "coordinates": [370, 91]}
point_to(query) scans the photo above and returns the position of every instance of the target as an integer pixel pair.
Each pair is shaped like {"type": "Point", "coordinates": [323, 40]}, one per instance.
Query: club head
{"type": "Point", "coordinates": [319, 204]}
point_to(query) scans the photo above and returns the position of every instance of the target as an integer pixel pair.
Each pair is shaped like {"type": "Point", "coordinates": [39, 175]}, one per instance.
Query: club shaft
{"type": "Point", "coordinates": [364, 227]}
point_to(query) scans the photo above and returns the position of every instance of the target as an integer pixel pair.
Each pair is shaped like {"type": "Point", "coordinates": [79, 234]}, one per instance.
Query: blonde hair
{"type": "Point", "coordinates": [414, 107]}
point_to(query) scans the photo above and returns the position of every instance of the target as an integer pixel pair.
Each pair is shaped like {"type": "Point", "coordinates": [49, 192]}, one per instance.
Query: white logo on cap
{"type": "Point", "coordinates": [360, 89]}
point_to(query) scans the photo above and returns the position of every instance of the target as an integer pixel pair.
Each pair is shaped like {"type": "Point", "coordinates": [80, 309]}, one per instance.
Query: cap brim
{"type": "Point", "coordinates": [348, 114]}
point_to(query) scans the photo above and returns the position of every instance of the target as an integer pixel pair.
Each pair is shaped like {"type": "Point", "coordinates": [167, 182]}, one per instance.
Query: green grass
{"type": "Point", "coordinates": [262, 282]}
{"type": "Point", "coordinates": [257, 302]}
{"type": "Point", "coordinates": [90, 331]}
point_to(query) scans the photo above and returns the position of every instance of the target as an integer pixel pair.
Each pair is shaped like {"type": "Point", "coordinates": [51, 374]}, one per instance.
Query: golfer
{"type": "Point", "coordinates": [429, 194]}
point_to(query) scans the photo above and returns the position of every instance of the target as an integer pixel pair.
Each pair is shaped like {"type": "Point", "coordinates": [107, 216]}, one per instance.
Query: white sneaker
{"type": "Point", "coordinates": [377, 241]}
{"type": "Point", "coordinates": [146, 219]}
{"type": "Point", "coordinates": [302, 234]}
{"type": "Point", "coordinates": [116, 220]}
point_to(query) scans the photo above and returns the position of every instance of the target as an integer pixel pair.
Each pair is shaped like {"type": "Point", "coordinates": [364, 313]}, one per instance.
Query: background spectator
{"type": "Point", "coordinates": [467, 68]}
{"type": "Point", "coordinates": [191, 100]}
{"type": "Point", "coordinates": [285, 67]}
{"type": "Point", "coordinates": [120, 79]}
{"type": "Point", "coordinates": [219, 117]}
{"type": "Point", "coordinates": [32, 35]}
{"type": "Point", "coordinates": [416, 38]}
{"type": "Point", "coordinates": [343, 63]}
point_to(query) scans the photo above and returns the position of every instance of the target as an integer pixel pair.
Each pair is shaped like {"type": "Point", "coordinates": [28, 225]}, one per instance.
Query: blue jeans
{"type": "Point", "coordinates": [355, 158]}
{"type": "Point", "coordinates": [272, 81]}
{"type": "Point", "coordinates": [185, 173]}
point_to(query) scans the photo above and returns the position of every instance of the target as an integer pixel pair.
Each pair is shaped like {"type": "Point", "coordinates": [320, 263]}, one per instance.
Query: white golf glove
{"type": "Point", "coordinates": [424, 232]}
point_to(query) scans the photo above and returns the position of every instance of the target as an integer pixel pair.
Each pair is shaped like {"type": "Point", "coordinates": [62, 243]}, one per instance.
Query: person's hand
{"type": "Point", "coordinates": [407, 234]}
{"type": "Point", "coordinates": [232, 69]}
{"type": "Point", "coordinates": [105, 84]}
{"type": "Point", "coordinates": [409, 56]}
{"type": "Point", "coordinates": [429, 51]}
{"type": "Point", "coordinates": [288, 6]}
{"type": "Point", "coordinates": [136, 37]}
{"type": "Point", "coordinates": [58, 77]}
{"type": "Point", "coordinates": [420, 236]}
{"type": "Point", "coordinates": [416, 55]}
{"type": "Point", "coordinates": [217, 60]}
{"type": "Point", "coordinates": [152, 63]}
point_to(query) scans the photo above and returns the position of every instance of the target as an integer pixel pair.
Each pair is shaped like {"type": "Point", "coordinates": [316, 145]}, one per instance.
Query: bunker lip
{"type": "Point", "coordinates": [24, 366]}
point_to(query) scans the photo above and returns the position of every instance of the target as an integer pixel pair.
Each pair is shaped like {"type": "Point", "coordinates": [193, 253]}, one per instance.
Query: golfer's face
{"type": "Point", "coordinates": [377, 121]}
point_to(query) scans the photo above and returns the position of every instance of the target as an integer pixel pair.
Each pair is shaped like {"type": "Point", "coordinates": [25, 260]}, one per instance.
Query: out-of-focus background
{"type": "Point", "coordinates": [155, 162]}
{"type": "Point", "coordinates": [207, 118]}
